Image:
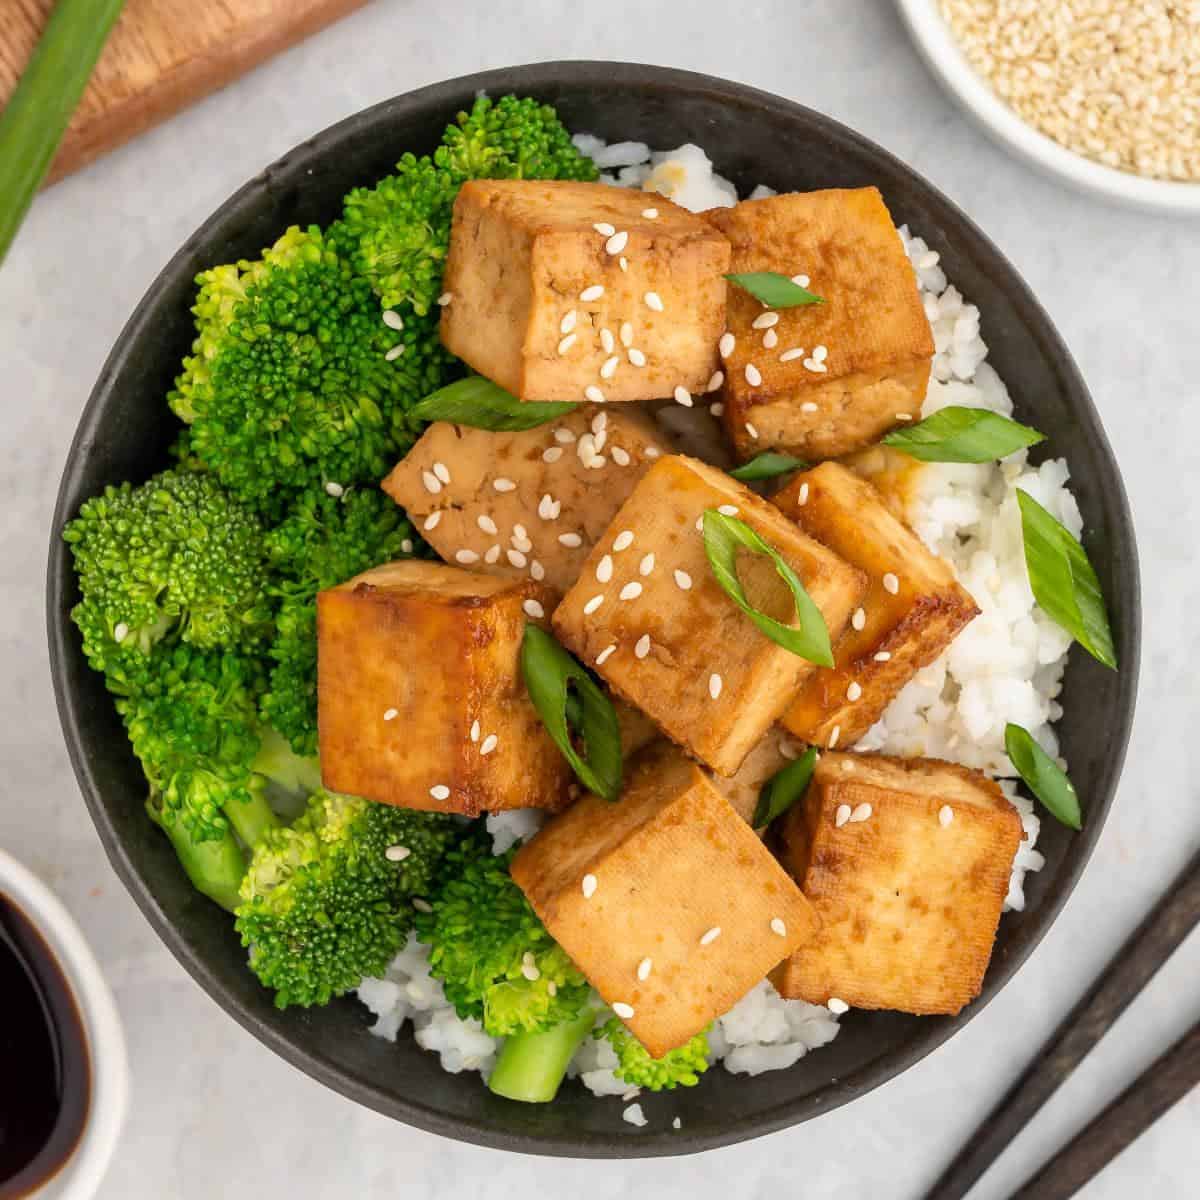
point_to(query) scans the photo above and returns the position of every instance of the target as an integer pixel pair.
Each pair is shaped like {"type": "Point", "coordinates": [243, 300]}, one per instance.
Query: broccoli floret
{"type": "Point", "coordinates": [326, 901]}
{"type": "Point", "coordinates": [290, 386]}
{"type": "Point", "coordinates": [681, 1067]}
{"type": "Point", "coordinates": [177, 555]}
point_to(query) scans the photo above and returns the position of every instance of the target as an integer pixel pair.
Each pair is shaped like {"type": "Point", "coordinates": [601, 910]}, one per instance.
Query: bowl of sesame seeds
{"type": "Point", "coordinates": [1102, 94]}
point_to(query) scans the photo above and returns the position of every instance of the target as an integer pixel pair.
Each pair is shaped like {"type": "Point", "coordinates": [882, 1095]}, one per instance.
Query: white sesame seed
{"type": "Point", "coordinates": [431, 521]}
{"type": "Point", "coordinates": [682, 580]}
{"type": "Point", "coordinates": [486, 524]}
{"type": "Point", "coordinates": [623, 540]}
{"type": "Point", "coordinates": [794, 352]}
{"type": "Point", "coordinates": [631, 591]}
{"type": "Point", "coordinates": [604, 569]}
{"type": "Point", "coordinates": [422, 906]}
{"type": "Point", "coordinates": [493, 554]}
{"type": "Point", "coordinates": [445, 298]}
{"type": "Point", "coordinates": [837, 1007]}
{"type": "Point", "coordinates": [842, 815]}
{"type": "Point", "coordinates": [904, 416]}
{"type": "Point", "coordinates": [568, 322]}
{"type": "Point", "coordinates": [647, 564]}
{"type": "Point", "coordinates": [624, 1011]}
{"type": "Point", "coordinates": [945, 815]}
{"type": "Point", "coordinates": [548, 507]}
{"type": "Point", "coordinates": [770, 340]}
{"type": "Point", "coordinates": [334, 489]}
{"type": "Point", "coordinates": [396, 853]}
{"type": "Point", "coordinates": [533, 608]}
{"type": "Point", "coordinates": [503, 484]}
{"type": "Point", "coordinates": [642, 646]}
{"type": "Point", "coordinates": [833, 737]}
{"type": "Point", "coordinates": [714, 381]}
{"type": "Point", "coordinates": [800, 280]}
{"type": "Point", "coordinates": [394, 353]}
{"type": "Point", "coordinates": [820, 353]}
{"type": "Point", "coordinates": [609, 367]}
{"type": "Point", "coordinates": [859, 619]}
{"type": "Point", "coordinates": [753, 375]}
{"type": "Point", "coordinates": [516, 558]}
{"type": "Point", "coordinates": [607, 341]}
{"type": "Point", "coordinates": [391, 714]}
{"type": "Point", "coordinates": [716, 409]}
{"type": "Point", "coordinates": [604, 229]}
{"type": "Point", "coordinates": [808, 406]}
{"type": "Point", "coordinates": [789, 750]}
{"type": "Point", "coordinates": [861, 813]}
{"type": "Point", "coordinates": [489, 744]}
{"type": "Point", "coordinates": [636, 357]}
{"type": "Point", "coordinates": [714, 685]}
{"type": "Point", "coordinates": [752, 431]}
{"type": "Point", "coordinates": [440, 791]}
{"type": "Point", "coordinates": [650, 213]}
{"type": "Point", "coordinates": [891, 583]}
{"type": "Point", "coordinates": [623, 263]}
{"type": "Point", "coordinates": [530, 972]}
{"type": "Point", "coordinates": [813, 364]}
{"type": "Point", "coordinates": [728, 510]}
{"type": "Point", "coordinates": [592, 293]}
{"type": "Point", "coordinates": [593, 393]}
{"type": "Point", "coordinates": [565, 436]}
{"type": "Point", "coordinates": [392, 319]}
{"type": "Point", "coordinates": [432, 483]}
{"type": "Point", "coordinates": [571, 540]}
{"type": "Point", "coordinates": [521, 544]}
{"type": "Point", "coordinates": [726, 344]}
{"type": "Point", "coordinates": [566, 343]}
{"type": "Point", "coordinates": [683, 396]}
{"type": "Point", "coordinates": [644, 968]}
{"type": "Point", "coordinates": [552, 454]}
{"type": "Point", "coordinates": [883, 656]}
{"type": "Point", "coordinates": [406, 546]}
{"type": "Point", "coordinates": [653, 301]}
{"type": "Point", "coordinates": [651, 452]}
{"type": "Point", "coordinates": [604, 654]}
{"type": "Point", "coordinates": [700, 523]}
{"type": "Point", "coordinates": [551, 988]}
{"type": "Point", "coordinates": [765, 320]}
{"type": "Point", "coordinates": [441, 471]}
{"type": "Point", "coordinates": [854, 691]}
{"type": "Point", "coordinates": [710, 936]}
{"type": "Point", "coordinates": [802, 495]}
{"type": "Point", "coordinates": [626, 333]}
{"type": "Point", "coordinates": [475, 731]}
{"type": "Point", "coordinates": [537, 571]}
{"type": "Point", "coordinates": [589, 886]}
{"type": "Point", "coordinates": [593, 604]}
{"type": "Point", "coordinates": [619, 456]}
{"type": "Point", "coordinates": [466, 557]}
{"type": "Point", "coordinates": [777, 926]}
{"type": "Point", "coordinates": [617, 242]}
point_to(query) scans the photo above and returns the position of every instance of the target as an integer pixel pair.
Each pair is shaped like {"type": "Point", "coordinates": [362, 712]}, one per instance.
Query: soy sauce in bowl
{"type": "Point", "coordinates": [45, 1071]}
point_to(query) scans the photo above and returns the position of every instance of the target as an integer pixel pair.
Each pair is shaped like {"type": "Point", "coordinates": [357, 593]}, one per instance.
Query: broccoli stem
{"type": "Point", "coordinates": [282, 765]}
{"type": "Point", "coordinates": [251, 818]}
{"type": "Point", "coordinates": [532, 1065]}
{"type": "Point", "coordinates": [215, 867]}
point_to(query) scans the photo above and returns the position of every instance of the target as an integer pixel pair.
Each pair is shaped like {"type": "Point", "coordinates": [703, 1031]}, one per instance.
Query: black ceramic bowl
{"type": "Point", "coordinates": [126, 427]}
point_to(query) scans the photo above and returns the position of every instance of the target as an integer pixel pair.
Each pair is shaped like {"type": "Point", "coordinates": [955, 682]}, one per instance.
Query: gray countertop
{"type": "Point", "coordinates": [214, 1113]}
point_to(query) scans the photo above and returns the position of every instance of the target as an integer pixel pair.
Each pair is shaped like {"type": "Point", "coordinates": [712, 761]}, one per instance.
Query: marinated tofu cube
{"type": "Point", "coordinates": [823, 379]}
{"type": "Point", "coordinates": [649, 615]}
{"type": "Point", "coordinates": [913, 608]}
{"type": "Point", "coordinates": [743, 788]}
{"type": "Point", "coordinates": [580, 291]}
{"type": "Point", "coordinates": [666, 900]}
{"type": "Point", "coordinates": [907, 863]}
{"type": "Point", "coordinates": [421, 702]}
{"type": "Point", "coordinates": [528, 504]}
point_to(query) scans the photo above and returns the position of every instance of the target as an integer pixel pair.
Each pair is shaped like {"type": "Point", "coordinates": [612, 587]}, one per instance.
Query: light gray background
{"type": "Point", "coordinates": [214, 1113]}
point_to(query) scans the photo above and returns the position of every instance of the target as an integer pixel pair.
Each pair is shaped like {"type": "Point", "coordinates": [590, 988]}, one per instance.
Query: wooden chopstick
{"type": "Point", "coordinates": [1134, 965]}
{"type": "Point", "coordinates": [1125, 1119]}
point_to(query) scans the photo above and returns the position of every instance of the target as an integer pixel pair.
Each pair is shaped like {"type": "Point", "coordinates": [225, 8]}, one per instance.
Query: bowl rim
{"type": "Point", "coordinates": [535, 78]}
{"type": "Point", "coordinates": [944, 57]}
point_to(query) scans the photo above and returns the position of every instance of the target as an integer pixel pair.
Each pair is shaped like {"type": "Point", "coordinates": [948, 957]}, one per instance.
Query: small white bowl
{"type": "Point", "coordinates": [938, 47]}
{"type": "Point", "coordinates": [80, 1176]}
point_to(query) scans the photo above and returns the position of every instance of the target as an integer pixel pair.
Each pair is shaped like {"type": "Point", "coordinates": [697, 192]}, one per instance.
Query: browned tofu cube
{"type": "Point", "coordinates": [421, 702]}
{"type": "Point", "coordinates": [824, 379]}
{"type": "Point", "coordinates": [648, 614]}
{"type": "Point", "coordinates": [580, 291]}
{"type": "Point", "coordinates": [771, 755]}
{"type": "Point", "coordinates": [528, 504]}
{"type": "Point", "coordinates": [666, 900]}
{"type": "Point", "coordinates": [913, 608]}
{"type": "Point", "coordinates": [907, 863]}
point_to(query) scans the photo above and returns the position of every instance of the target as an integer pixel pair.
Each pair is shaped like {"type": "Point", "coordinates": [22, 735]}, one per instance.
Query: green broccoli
{"type": "Point", "coordinates": [326, 901]}
{"type": "Point", "coordinates": [681, 1067]}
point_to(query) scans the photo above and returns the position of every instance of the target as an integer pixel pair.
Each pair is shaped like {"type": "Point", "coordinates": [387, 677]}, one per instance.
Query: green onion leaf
{"type": "Point", "coordinates": [1043, 776]}
{"type": "Point", "coordinates": [963, 435]}
{"type": "Point", "coordinates": [767, 465]}
{"type": "Point", "coordinates": [482, 404]}
{"type": "Point", "coordinates": [1063, 581]}
{"type": "Point", "coordinates": [568, 699]}
{"type": "Point", "coordinates": [784, 788]}
{"type": "Point", "coordinates": [774, 290]}
{"type": "Point", "coordinates": [722, 536]}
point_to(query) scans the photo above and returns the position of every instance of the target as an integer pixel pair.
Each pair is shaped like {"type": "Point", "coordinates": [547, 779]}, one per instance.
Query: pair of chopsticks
{"type": "Point", "coordinates": [1167, 1081]}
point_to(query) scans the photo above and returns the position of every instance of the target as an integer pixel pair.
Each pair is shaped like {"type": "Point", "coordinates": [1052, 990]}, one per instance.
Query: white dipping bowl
{"type": "Point", "coordinates": [938, 47]}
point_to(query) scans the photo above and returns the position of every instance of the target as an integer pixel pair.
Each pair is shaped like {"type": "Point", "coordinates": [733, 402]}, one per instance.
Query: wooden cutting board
{"type": "Point", "coordinates": [162, 55]}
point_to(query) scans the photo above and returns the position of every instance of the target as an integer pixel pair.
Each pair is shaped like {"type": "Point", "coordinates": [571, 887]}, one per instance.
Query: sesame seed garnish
{"type": "Point", "coordinates": [793, 353]}
{"type": "Point", "coordinates": [765, 320]}
{"type": "Point", "coordinates": [604, 569]}
{"type": "Point", "coordinates": [568, 322]}
{"type": "Point", "coordinates": [647, 564]}
{"type": "Point", "coordinates": [432, 483]}
{"type": "Point", "coordinates": [714, 685]}
{"type": "Point", "coordinates": [593, 393]}
{"type": "Point", "coordinates": [624, 1011]}
{"type": "Point", "coordinates": [636, 357]}
{"type": "Point", "coordinates": [710, 936]}
{"type": "Point", "coordinates": [394, 353]}
{"type": "Point", "coordinates": [815, 364]}
{"type": "Point", "coordinates": [593, 604]}
{"type": "Point", "coordinates": [571, 540]}
{"type": "Point", "coordinates": [396, 853]}
{"type": "Point", "coordinates": [623, 540]}
{"type": "Point", "coordinates": [521, 542]}
{"type": "Point", "coordinates": [504, 485]}
{"type": "Point", "coordinates": [854, 691]}
{"type": "Point", "coordinates": [534, 608]}
{"type": "Point", "coordinates": [530, 971]}
{"type": "Point", "coordinates": [551, 988]}
{"type": "Point", "coordinates": [753, 375]}
{"type": "Point", "coordinates": [626, 333]}
{"type": "Point", "coordinates": [859, 620]}
{"type": "Point", "coordinates": [752, 431]}
{"type": "Point", "coordinates": [391, 714]}
{"type": "Point", "coordinates": [549, 508]}
{"type": "Point", "coordinates": [422, 906]}
{"type": "Point", "coordinates": [650, 213]}
{"type": "Point", "coordinates": [565, 436]}
{"type": "Point", "coordinates": [891, 583]}
{"type": "Point", "coordinates": [717, 409]}
{"type": "Point", "coordinates": [714, 381]}
{"type": "Point", "coordinates": [802, 496]}
{"type": "Point", "coordinates": [883, 656]}
{"type": "Point", "coordinates": [728, 510]}
{"type": "Point", "coordinates": [833, 737]}
{"type": "Point", "coordinates": [653, 301]}
{"type": "Point", "coordinates": [442, 471]}
{"type": "Point", "coordinates": [517, 558]}
{"type": "Point", "coordinates": [552, 454]}
{"type": "Point", "coordinates": [486, 524]}
{"type": "Point", "coordinates": [489, 744]}
{"type": "Point", "coordinates": [800, 280]}
{"type": "Point", "coordinates": [609, 367]}
{"type": "Point", "coordinates": [842, 815]}
{"type": "Point", "coordinates": [808, 406]}
{"type": "Point", "coordinates": [592, 293]}
{"type": "Point", "coordinates": [700, 523]}
{"type": "Point", "coordinates": [566, 343]}
{"type": "Point", "coordinates": [726, 344]}
{"type": "Point", "coordinates": [440, 791]}
{"type": "Point", "coordinates": [589, 886]}
{"type": "Point", "coordinates": [623, 263]}
{"type": "Point", "coordinates": [837, 1007]}
{"type": "Point", "coordinates": [445, 298]}
{"type": "Point", "coordinates": [861, 813]}
{"type": "Point", "coordinates": [617, 242]}
{"type": "Point", "coordinates": [466, 557]}
{"type": "Point", "coordinates": [820, 353]}
{"type": "Point", "coordinates": [431, 521]}
{"type": "Point", "coordinates": [475, 731]}
{"type": "Point", "coordinates": [945, 815]}
{"type": "Point", "coordinates": [607, 341]}
{"type": "Point", "coordinates": [683, 396]}
{"type": "Point", "coordinates": [392, 319]}
{"type": "Point", "coordinates": [683, 580]}
{"type": "Point", "coordinates": [406, 546]}
{"type": "Point", "coordinates": [604, 229]}
{"type": "Point", "coordinates": [537, 571]}
{"type": "Point", "coordinates": [604, 654]}
{"type": "Point", "coordinates": [493, 554]}
{"type": "Point", "coordinates": [652, 452]}
{"type": "Point", "coordinates": [644, 968]}
{"type": "Point", "coordinates": [789, 750]}
{"type": "Point", "coordinates": [631, 591]}
{"type": "Point", "coordinates": [642, 646]}
{"type": "Point", "coordinates": [777, 926]}
{"type": "Point", "coordinates": [770, 340]}
{"type": "Point", "coordinates": [619, 456]}
{"type": "Point", "coordinates": [904, 416]}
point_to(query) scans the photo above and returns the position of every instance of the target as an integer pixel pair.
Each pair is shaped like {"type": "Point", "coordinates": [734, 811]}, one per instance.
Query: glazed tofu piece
{"type": "Point", "coordinates": [666, 900]}
{"type": "Point", "coordinates": [529, 504]}
{"type": "Point", "coordinates": [830, 378]}
{"type": "Point", "coordinates": [580, 291]}
{"type": "Point", "coordinates": [907, 863]}
{"type": "Point", "coordinates": [912, 610]}
{"type": "Point", "coordinates": [421, 702]}
{"type": "Point", "coordinates": [648, 614]}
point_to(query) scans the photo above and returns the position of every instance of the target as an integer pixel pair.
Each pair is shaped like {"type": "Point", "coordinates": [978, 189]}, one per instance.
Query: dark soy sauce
{"type": "Point", "coordinates": [45, 1073]}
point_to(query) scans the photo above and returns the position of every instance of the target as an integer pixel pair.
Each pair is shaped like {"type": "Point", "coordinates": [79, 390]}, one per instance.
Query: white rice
{"type": "Point", "coordinates": [1007, 665]}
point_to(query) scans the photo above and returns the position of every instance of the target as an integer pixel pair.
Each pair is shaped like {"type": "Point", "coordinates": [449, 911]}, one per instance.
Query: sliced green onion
{"type": "Point", "coordinates": [773, 289]}
{"type": "Point", "coordinates": [784, 788]}
{"type": "Point", "coordinates": [767, 465]}
{"type": "Point", "coordinates": [1063, 581]}
{"type": "Point", "coordinates": [964, 435]}
{"type": "Point", "coordinates": [1043, 776]}
{"type": "Point", "coordinates": [568, 699]}
{"type": "Point", "coordinates": [482, 404]}
{"type": "Point", "coordinates": [810, 638]}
